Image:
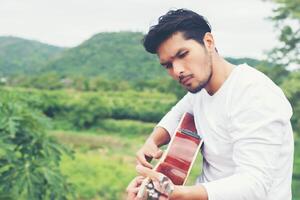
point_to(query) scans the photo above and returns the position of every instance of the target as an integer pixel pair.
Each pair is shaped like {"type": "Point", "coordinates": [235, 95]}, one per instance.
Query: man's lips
{"type": "Point", "coordinates": [184, 79]}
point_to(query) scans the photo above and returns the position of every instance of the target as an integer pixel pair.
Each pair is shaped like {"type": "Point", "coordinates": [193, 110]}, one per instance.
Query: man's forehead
{"type": "Point", "coordinates": [166, 56]}
{"type": "Point", "coordinates": [170, 52]}
{"type": "Point", "coordinates": [172, 45]}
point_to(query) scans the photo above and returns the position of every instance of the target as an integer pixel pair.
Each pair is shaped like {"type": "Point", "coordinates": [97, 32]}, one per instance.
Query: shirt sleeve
{"type": "Point", "coordinates": [260, 116]}
{"type": "Point", "coordinates": [172, 118]}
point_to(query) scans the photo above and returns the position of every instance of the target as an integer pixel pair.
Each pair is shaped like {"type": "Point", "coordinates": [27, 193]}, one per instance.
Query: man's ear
{"type": "Point", "coordinates": [209, 42]}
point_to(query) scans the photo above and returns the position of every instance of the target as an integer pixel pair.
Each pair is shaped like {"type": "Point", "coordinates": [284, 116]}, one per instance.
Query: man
{"type": "Point", "coordinates": [242, 116]}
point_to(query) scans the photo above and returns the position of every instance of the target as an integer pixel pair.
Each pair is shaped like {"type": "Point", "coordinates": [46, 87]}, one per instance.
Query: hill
{"type": "Point", "coordinates": [22, 56]}
{"type": "Point", "coordinates": [114, 56]}
{"type": "Point", "coordinates": [118, 55]}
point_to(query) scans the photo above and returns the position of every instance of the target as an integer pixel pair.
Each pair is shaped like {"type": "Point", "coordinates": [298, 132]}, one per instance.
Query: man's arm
{"type": "Point", "coordinates": [196, 192]}
{"type": "Point", "coordinates": [162, 133]}
{"type": "Point", "coordinates": [160, 136]}
{"type": "Point", "coordinates": [150, 149]}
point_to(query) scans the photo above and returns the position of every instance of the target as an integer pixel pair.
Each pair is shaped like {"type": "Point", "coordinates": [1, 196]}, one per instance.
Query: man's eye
{"type": "Point", "coordinates": [167, 66]}
{"type": "Point", "coordinates": [182, 55]}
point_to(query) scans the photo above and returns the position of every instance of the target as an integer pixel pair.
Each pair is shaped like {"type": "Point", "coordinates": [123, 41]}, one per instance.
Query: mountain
{"type": "Point", "coordinates": [118, 55]}
{"type": "Point", "coordinates": [250, 61]}
{"type": "Point", "coordinates": [22, 56]}
{"type": "Point", "coordinates": [112, 55]}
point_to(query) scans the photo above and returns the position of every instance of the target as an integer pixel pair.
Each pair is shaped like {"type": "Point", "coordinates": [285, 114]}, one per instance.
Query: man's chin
{"type": "Point", "coordinates": [195, 90]}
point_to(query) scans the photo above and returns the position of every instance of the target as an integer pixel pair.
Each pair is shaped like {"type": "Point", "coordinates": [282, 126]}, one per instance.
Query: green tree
{"type": "Point", "coordinates": [287, 19]}
{"type": "Point", "coordinates": [291, 86]}
{"type": "Point", "coordinates": [29, 159]}
{"type": "Point", "coordinates": [277, 73]}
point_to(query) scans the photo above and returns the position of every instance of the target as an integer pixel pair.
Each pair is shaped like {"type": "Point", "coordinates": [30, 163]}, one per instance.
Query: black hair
{"type": "Point", "coordinates": [191, 24]}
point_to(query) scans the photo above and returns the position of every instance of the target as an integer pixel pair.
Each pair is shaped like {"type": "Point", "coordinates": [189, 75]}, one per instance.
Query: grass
{"type": "Point", "coordinates": [296, 177]}
{"type": "Point", "coordinates": [104, 161]}
{"type": "Point", "coordinates": [103, 164]}
{"type": "Point", "coordinates": [98, 176]}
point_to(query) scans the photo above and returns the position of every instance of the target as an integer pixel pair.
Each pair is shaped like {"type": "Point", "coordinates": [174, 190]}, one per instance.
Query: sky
{"type": "Point", "coordinates": [240, 27]}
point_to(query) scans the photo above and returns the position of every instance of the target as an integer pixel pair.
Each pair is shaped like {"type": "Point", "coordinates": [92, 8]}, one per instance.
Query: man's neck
{"type": "Point", "coordinates": [221, 70]}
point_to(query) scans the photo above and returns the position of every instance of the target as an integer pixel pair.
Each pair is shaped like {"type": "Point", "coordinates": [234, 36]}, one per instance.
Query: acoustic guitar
{"type": "Point", "coordinates": [177, 161]}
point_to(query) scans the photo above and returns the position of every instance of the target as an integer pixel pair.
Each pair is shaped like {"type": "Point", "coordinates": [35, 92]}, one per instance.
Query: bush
{"type": "Point", "coordinates": [29, 159]}
{"type": "Point", "coordinates": [82, 110]}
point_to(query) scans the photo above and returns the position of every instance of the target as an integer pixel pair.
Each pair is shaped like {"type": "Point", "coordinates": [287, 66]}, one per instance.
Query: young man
{"type": "Point", "coordinates": [242, 116]}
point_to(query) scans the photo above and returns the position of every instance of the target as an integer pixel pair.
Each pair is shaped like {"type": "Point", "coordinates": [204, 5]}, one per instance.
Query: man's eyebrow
{"type": "Point", "coordinates": [176, 55]}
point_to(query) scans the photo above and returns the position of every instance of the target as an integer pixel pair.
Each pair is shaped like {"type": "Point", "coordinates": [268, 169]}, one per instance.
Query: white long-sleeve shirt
{"type": "Point", "coordinates": [248, 139]}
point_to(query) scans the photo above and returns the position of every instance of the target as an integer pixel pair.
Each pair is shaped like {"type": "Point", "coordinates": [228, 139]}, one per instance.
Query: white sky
{"type": "Point", "coordinates": [239, 26]}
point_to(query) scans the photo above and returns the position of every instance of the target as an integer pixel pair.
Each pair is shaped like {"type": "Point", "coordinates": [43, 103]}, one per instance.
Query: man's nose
{"type": "Point", "coordinates": [178, 68]}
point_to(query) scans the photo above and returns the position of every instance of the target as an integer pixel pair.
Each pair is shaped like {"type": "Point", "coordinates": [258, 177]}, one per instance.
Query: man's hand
{"type": "Point", "coordinates": [133, 188]}
{"type": "Point", "coordinates": [148, 151]}
{"type": "Point", "coordinates": [161, 185]}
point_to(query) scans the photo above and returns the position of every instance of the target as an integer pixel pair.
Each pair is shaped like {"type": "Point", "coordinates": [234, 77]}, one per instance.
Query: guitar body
{"type": "Point", "coordinates": [181, 152]}
{"type": "Point", "coordinates": [177, 161]}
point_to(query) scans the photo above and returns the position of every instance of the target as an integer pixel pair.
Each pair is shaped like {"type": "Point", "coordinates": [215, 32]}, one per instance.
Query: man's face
{"type": "Point", "coordinates": [186, 61]}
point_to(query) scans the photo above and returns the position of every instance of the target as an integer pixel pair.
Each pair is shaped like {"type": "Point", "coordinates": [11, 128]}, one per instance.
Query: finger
{"type": "Point", "coordinates": [130, 192]}
{"type": "Point", "coordinates": [139, 163]}
{"type": "Point", "coordinates": [135, 183]}
{"type": "Point", "coordinates": [146, 172]}
{"type": "Point", "coordinates": [162, 197]}
{"type": "Point", "coordinates": [131, 196]}
{"type": "Point", "coordinates": [133, 187]}
{"type": "Point", "coordinates": [154, 150]}
{"type": "Point", "coordinates": [133, 190]}
{"type": "Point", "coordinates": [142, 160]}
{"type": "Point", "coordinates": [158, 154]}
{"type": "Point", "coordinates": [139, 180]}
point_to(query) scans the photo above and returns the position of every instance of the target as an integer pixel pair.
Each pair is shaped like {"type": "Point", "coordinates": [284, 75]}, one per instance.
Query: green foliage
{"type": "Point", "coordinates": [54, 81]}
{"type": "Point", "coordinates": [96, 175]}
{"type": "Point", "coordinates": [107, 161]}
{"type": "Point", "coordinates": [50, 81]}
{"type": "Point", "coordinates": [287, 19]}
{"type": "Point", "coordinates": [29, 159]}
{"type": "Point", "coordinates": [20, 56]}
{"type": "Point", "coordinates": [291, 87]}
{"type": "Point", "coordinates": [296, 171]}
{"type": "Point", "coordinates": [250, 61]}
{"type": "Point", "coordinates": [164, 85]}
{"type": "Point", "coordinates": [115, 56]}
{"type": "Point", "coordinates": [128, 128]}
{"type": "Point", "coordinates": [71, 109]}
{"type": "Point", "coordinates": [116, 59]}
{"type": "Point", "coordinates": [104, 162]}
{"type": "Point", "coordinates": [99, 83]}
{"type": "Point", "coordinates": [277, 73]}
{"type": "Point", "coordinates": [149, 107]}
